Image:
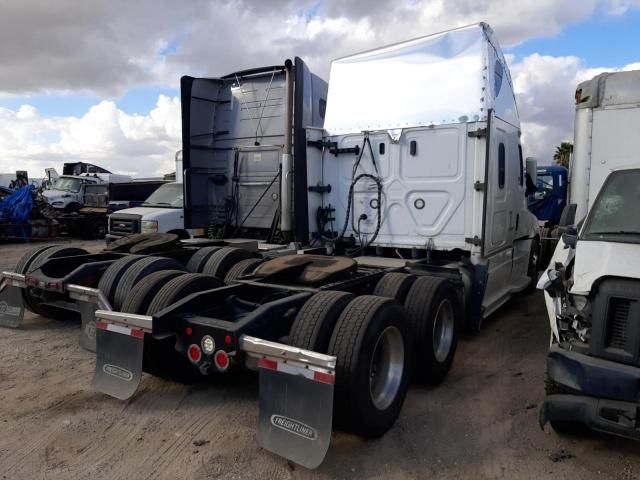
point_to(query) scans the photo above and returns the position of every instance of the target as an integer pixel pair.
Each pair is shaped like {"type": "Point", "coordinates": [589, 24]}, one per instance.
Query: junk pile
{"type": "Point", "coordinates": [24, 214]}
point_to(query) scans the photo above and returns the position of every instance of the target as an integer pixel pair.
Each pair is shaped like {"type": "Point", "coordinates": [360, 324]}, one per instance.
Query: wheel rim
{"type": "Point", "coordinates": [386, 368]}
{"type": "Point", "coordinates": [443, 327]}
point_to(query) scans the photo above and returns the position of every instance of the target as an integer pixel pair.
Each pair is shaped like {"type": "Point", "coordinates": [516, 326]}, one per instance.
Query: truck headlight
{"type": "Point", "coordinates": [149, 226]}
{"type": "Point", "coordinates": [579, 301]}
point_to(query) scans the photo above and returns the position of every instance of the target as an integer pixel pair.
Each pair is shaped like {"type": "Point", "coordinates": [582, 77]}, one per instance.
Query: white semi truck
{"type": "Point", "coordinates": [400, 222]}
{"type": "Point", "coordinates": [592, 285]}
{"type": "Point", "coordinates": [66, 192]}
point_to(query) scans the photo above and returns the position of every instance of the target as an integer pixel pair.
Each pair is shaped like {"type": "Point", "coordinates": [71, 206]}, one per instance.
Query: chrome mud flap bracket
{"type": "Point", "coordinates": [296, 399]}
{"type": "Point", "coordinates": [119, 351]}
{"type": "Point", "coordinates": [89, 300]}
{"type": "Point", "coordinates": [11, 299]}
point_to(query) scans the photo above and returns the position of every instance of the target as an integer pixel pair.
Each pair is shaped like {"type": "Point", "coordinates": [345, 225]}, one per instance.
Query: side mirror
{"type": "Point", "coordinates": [531, 166]}
{"type": "Point", "coordinates": [568, 215]}
{"type": "Point", "coordinates": [570, 239]}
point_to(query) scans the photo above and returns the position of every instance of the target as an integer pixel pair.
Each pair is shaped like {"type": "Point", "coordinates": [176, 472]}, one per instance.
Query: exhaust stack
{"type": "Point", "coordinates": [286, 174]}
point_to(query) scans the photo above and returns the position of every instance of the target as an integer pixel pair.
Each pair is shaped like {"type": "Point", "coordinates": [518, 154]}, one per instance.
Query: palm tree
{"type": "Point", "coordinates": [563, 154]}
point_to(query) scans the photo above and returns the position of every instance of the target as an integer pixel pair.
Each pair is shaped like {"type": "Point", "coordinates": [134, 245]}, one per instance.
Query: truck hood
{"type": "Point", "coordinates": [595, 260]}
{"type": "Point", "coordinates": [149, 212]}
{"type": "Point", "coordinates": [54, 194]}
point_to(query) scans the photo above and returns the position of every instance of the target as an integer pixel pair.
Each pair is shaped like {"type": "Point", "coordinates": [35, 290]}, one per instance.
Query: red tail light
{"type": "Point", "coordinates": [194, 353]}
{"type": "Point", "coordinates": [221, 359]}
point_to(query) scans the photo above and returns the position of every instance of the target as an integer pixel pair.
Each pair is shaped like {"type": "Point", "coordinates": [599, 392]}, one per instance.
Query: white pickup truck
{"type": "Point", "coordinates": [592, 284]}
{"type": "Point", "coordinates": [162, 212]}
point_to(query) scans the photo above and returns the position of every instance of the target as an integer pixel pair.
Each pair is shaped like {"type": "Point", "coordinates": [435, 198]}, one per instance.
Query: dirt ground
{"type": "Point", "coordinates": [481, 423]}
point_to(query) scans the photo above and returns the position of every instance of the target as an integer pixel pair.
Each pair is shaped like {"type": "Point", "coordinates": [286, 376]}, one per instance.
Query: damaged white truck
{"type": "Point", "coordinates": [592, 285]}
{"type": "Point", "coordinates": [400, 222]}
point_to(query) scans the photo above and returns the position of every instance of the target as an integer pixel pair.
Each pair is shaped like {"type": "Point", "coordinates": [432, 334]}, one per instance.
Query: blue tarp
{"type": "Point", "coordinates": [17, 206]}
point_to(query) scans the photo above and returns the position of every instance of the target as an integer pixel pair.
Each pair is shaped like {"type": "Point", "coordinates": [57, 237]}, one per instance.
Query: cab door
{"type": "Point", "coordinates": [500, 218]}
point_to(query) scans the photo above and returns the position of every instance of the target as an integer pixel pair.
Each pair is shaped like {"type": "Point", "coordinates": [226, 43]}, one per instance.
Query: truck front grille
{"type": "Point", "coordinates": [619, 310]}
{"type": "Point", "coordinates": [124, 225]}
{"type": "Point", "coordinates": [615, 319]}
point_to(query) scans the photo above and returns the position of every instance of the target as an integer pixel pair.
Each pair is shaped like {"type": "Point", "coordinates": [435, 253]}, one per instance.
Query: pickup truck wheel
{"type": "Point", "coordinates": [31, 299]}
{"type": "Point", "coordinates": [181, 287]}
{"type": "Point", "coordinates": [434, 318]}
{"type": "Point", "coordinates": [72, 207]}
{"type": "Point", "coordinates": [112, 275]}
{"type": "Point", "coordinates": [140, 297]}
{"type": "Point", "coordinates": [198, 260]}
{"type": "Point", "coordinates": [139, 270]}
{"type": "Point", "coordinates": [221, 261]}
{"type": "Point", "coordinates": [394, 285]}
{"type": "Point", "coordinates": [241, 268]}
{"type": "Point", "coordinates": [371, 344]}
{"type": "Point", "coordinates": [314, 323]}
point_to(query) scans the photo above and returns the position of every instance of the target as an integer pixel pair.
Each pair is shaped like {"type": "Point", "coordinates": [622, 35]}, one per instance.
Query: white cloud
{"type": "Point", "coordinates": [123, 143]}
{"type": "Point", "coordinates": [106, 48]}
{"type": "Point", "coordinates": [545, 88]}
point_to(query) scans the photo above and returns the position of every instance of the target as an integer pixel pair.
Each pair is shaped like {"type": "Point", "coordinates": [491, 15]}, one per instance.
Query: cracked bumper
{"type": "Point", "coordinates": [605, 393]}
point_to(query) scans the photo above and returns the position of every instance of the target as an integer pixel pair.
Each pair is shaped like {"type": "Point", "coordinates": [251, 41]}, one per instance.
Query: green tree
{"type": "Point", "coordinates": [563, 154]}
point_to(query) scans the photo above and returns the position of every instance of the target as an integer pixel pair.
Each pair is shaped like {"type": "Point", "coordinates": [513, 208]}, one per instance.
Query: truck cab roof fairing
{"type": "Point", "coordinates": [450, 77]}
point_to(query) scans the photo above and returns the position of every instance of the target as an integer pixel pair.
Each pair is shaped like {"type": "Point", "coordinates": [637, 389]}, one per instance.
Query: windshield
{"type": "Point", "coordinates": [68, 184]}
{"type": "Point", "coordinates": [614, 215]}
{"type": "Point", "coordinates": [168, 195]}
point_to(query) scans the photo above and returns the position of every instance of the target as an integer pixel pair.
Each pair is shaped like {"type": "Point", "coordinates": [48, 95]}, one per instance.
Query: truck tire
{"type": "Point", "coordinates": [434, 319]}
{"type": "Point", "coordinates": [371, 344]}
{"type": "Point", "coordinates": [221, 261]}
{"type": "Point", "coordinates": [140, 297]}
{"type": "Point", "coordinates": [55, 252]}
{"type": "Point", "coordinates": [112, 275]}
{"type": "Point", "coordinates": [27, 259]}
{"type": "Point", "coordinates": [139, 270]}
{"type": "Point", "coordinates": [394, 285]}
{"type": "Point", "coordinates": [23, 265]}
{"type": "Point", "coordinates": [161, 242]}
{"type": "Point", "coordinates": [314, 323]}
{"type": "Point", "coordinates": [198, 260]}
{"type": "Point", "coordinates": [32, 300]}
{"type": "Point", "coordinates": [241, 268]}
{"type": "Point", "coordinates": [181, 287]}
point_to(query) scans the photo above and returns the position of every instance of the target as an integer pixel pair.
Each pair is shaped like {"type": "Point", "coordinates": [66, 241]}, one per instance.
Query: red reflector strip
{"type": "Point", "coordinates": [322, 377]}
{"type": "Point", "coordinates": [266, 363]}
{"type": "Point", "coordinates": [137, 333]}
{"type": "Point", "coordinates": [118, 329]}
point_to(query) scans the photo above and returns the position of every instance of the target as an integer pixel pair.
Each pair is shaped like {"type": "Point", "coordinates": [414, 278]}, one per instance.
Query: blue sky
{"type": "Point", "coordinates": [601, 41]}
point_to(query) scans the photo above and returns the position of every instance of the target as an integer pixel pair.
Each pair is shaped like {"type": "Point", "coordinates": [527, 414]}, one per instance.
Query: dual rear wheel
{"type": "Point", "coordinates": [409, 323]}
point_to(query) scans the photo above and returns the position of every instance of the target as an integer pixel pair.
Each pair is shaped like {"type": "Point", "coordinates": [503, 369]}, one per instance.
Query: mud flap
{"type": "Point", "coordinates": [119, 350]}
{"type": "Point", "coordinates": [89, 300]}
{"type": "Point", "coordinates": [11, 300]}
{"type": "Point", "coordinates": [296, 400]}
